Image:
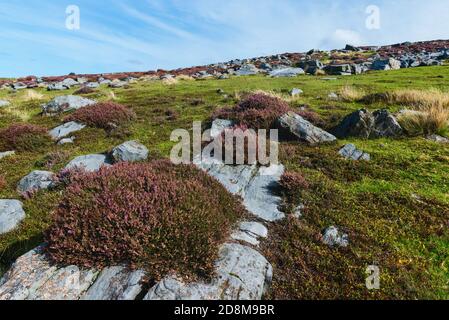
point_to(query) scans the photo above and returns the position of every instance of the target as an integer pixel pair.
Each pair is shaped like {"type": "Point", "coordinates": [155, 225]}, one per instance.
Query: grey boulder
{"type": "Point", "coordinates": [11, 214]}
{"type": "Point", "coordinates": [35, 181]}
{"type": "Point", "coordinates": [297, 126]}
{"type": "Point", "coordinates": [89, 163]}
{"type": "Point", "coordinates": [351, 152]}
{"type": "Point", "coordinates": [386, 64]}
{"type": "Point", "coordinates": [66, 129]}
{"type": "Point", "coordinates": [66, 103]}
{"type": "Point", "coordinates": [286, 72]}
{"type": "Point", "coordinates": [296, 92]}
{"type": "Point", "coordinates": [131, 151]}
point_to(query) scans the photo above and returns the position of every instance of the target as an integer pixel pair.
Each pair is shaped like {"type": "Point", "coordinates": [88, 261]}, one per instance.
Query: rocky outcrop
{"type": "Point", "coordinates": [242, 274]}
{"type": "Point", "coordinates": [11, 214]}
{"type": "Point", "coordinates": [294, 124]}
{"type": "Point", "coordinates": [66, 103]}
{"type": "Point", "coordinates": [386, 64]}
{"type": "Point", "coordinates": [130, 151]}
{"type": "Point", "coordinates": [364, 124]}
{"type": "Point", "coordinates": [66, 129]}
{"type": "Point", "coordinates": [35, 181]}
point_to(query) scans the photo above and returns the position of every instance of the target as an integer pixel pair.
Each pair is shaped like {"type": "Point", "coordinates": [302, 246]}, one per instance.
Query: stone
{"type": "Point", "coordinates": [66, 129]}
{"type": "Point", "coordinates": [218, 126]}
{"type": "Point", "coordinates": [116, 283]}
{"type": "Point", "coordinates": [66, 103]}
{"type": "Point", "coordinates": [6, 154]}
{"type": "Point", "coordinates": [297, 126]}
{"type": "Point", "coordinates": [437, 138]}
{"type": "Point", "coordinates": [332, 96]}
{"type": "Point", "coordinates": [130, 151]}
{"type": "Point", "coordinates": [296, 92]}
{"type": "Point", "coordinates": [19, 86]}
{"type": "Point", "coordinates": [386, 64]}
{"type": "Point", "coordinates": [242, 273]}
{"type": "Point", "coordinates": [351, 152]}
{"type": "Point", "coordinates": [4, 103]}
{"type": "Point", "coordinates": [311, 66]}
{"type": "Point", "coordinates": [338, 69]}
{"type": "Point", "coordinates": [66, 141]}
{"type": "Point", "coordinates": [385, 125]}
{"type": "Point", "coordinates": [11, 214]}
{"type": "Point", "coordinates": [334, 238]}
{"type": "Point", "coordinates": [250, 232]}
{"type": "Point", "coordinates": [247, 70]}
{"type": "Point", "coordinates": [35, 181]}
{"type": "Point", "coordinates": [117, 84]}
{"type": "Point", "coordinates": [89, 163]}
{"type": "Point", "coordinates": [58, 86]}
{"type": "Point", "coordinates": [352, 48]}
{"type": "Point", "coordinates": [69, 82]}
{"type": "Point", "coordinates": [286, 72]}
{"type": "Point", "coordinates": [92, 85]}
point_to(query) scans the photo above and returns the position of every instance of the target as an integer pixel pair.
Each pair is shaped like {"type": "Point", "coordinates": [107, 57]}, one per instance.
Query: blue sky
{"type": "Point", "coordinates": [139, 35]}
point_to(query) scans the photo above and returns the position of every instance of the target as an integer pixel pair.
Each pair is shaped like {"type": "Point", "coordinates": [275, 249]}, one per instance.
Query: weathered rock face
{"type": "Point", "coordinates": [365, 124]}
{"type": "Point", "coordinates": [66, 103]}
{"type": "Point", "coordinates": [242, 274]}
{"type": "Point", "coordinates": [35, 181]}
{"type": "Point", "coordinates": [286, 72]}
{"type": "Point", "coordinates": [116, 283]}
{"type": "Point", "coordinates": [296, 125]}
{"type": "Point", "coordinates": [334, 238]}
{"type": "Point", "coordinates": [4, 103]}
{"type": "Point", "coordinates": [89, 163]}
{"type": "Point", "coordinates": [351, 152]}
{"type": "Point", "coordinates": [131, 151]}
{"type": "Point", "coordinates": [338, 69]}
{"type": "Point", "coordinates": [7, 154]}
{"type": "Point", "coordinates": [246, 70]}
{"type": "Point", "coordinates": [386, 64]}
{"type": "Point", "coordinates": [250, 232]}
{"type": "Point", "coordinates": [66, 129]}
{"type": "Point", "coordinates": [11, 214]}
{"type": "Point", "coordinates": [59, 86]}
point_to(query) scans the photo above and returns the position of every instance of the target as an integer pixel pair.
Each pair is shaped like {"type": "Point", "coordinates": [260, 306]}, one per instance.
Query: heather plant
{"type": "Point", "coordinates": [106, 115]}
{"type": "Point", "coordinates": [156, 216]}
{"type": "Point", "coordinates": [24, 137]}
{"type": "Point", "coordinates": [257, 111]}
{"type": "Point", "coordinates": [84, 90]}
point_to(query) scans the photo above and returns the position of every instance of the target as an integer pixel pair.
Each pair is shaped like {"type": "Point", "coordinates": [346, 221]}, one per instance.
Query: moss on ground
{"type": "Point", "coordinates": [394, 208]}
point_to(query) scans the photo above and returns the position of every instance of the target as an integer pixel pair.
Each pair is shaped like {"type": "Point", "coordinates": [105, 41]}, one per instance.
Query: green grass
{"type": "Point", "coordinates": [395, 208]}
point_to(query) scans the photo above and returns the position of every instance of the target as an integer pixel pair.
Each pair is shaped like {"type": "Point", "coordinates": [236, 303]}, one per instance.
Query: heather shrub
{"type": "Point", "coordinates": [257, 111]}
{"type": "Point", "coordinates": [156, 216]}
{"type": "Point", "coordinates": [84, 90]}
{"type": "Point", "coordinates": [2, 182]}
{"type": "Point", "coordinates": [24, 137]}
{"type": "Point", "coordinates": [106, 115]}
{"type": "Point", "coordinates": [293, 182]}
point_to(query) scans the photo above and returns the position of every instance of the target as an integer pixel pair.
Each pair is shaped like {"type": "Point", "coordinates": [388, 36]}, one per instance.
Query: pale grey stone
{"type": "Point", "coordinates": [351, 152]}
{"type": "Point", "coordinates": [36, 180]}
{"type": "Point", "coordinates": [116, 283]}
{"type": "Point", "coordinates": [4, 103]}
{"type": "Point", "coordinates": [333, 237]}
{"type": "Point", "coordinates": [66, 129]}
{"type": "Point", "coordinates": [434, 137]}
{"type": "Point", "coordinates": [66, 141]}
{"type": "Point", "coordinates": [296, 92]}
{"type": "Point", "coordinates": [7, 154]}
{"type": "Point", "coordinates": [89, 163]}
{"type": "Point", "coordinates": [11, 214]}
{"type": "Point", "coordinates": [286, 72]}
{"type": "Point", "coordinates": [66, 103]}
{"type": "Point", "coordinates": [250, 232]}
{"type": "Point", "coordinates": [218, 126]}
{"type": "Point", "coordinates": [303, 129]}
{"type": "Point", "coordinates": [130, 151]}
{"type": "Point", "coordinates": [242, 274]}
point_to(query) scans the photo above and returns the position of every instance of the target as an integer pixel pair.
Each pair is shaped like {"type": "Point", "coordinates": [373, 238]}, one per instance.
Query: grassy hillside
{"type": "Point", "coordinates": [395, 208]}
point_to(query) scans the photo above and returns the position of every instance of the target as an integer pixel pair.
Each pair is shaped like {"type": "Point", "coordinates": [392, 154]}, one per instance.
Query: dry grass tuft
{"type": "Point", "coordinates": [349, 94]}
{"type": "Point", "coordinates": [170, 81]}
{"type": "Point", "coordinates": [184, 77]}
{"type": "Point", "coordinates": [420, 99]}
{"type": "Point", "coordinates": [31, 95]}
{"type": "Point", "coordinates": [429, 121]}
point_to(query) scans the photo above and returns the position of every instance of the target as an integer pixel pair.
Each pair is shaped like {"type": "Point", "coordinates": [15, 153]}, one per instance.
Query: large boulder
{"type": "Point", "coordinates": [286, 72]}
{"type": "Point", "coordinates": [66, 103]}
{"type": "Point", "coordinates": [131, 151]}
{"type": "Point", "coordinates": [247, 70]}
{"type": "Point", "coordinates": [364, 124]}
{"type": "Point", "coordinates": [11, 214]}
{"type": "Point", "coordinates": [57, 86]}
{"type": "Point", "coordinates": [242, 273]}
{"type": "Point", "coordinates": [338, 69]}
{"type": "Point", "coordinates": [386, 64]}
{"type": "Point", "coordinates": [297, 126]}
{"type": "Point", "coordinates": [66, 129]}
{"type": "Point", "coordinates": [311, 66]}
{"type": "Point", "coordinates": [35, 181]}
{"type": "Point", "coordinates": [89, 163]}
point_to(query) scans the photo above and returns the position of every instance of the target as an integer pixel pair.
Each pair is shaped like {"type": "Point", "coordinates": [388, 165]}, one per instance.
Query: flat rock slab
{"type": "Point", "coordinates": [11, 214]}
{"type": "Point", "coordinates": [286, 72]}
{"type": "Point", "coordinates": [89, 163]}
{"type": "Point", "coordinates": [130, 151]}
{"type": "Point", "coordinates": [66, 129]}
{"type": "Point", "coordinates": [351, 152]}
{"type": "Point", "coordinates": [303, 129]}
{"type": "Point", "coordinates": [242, 274]}
{"type": "Point", "coordinates": [36, 180]}
{"type": "Point", "coordinates": [66, 103]}
{"type": "Point", "coordinates": [116, 283]}
{"type": "Point", "coordinates": [434, 137]}
{"type": "Point", "coordinates": [250, 232]}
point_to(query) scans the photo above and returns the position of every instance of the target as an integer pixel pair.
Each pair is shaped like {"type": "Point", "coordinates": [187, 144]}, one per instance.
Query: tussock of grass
{"type": "Point", "coordinates": [350, 93]}
{"type": "Point", "coordinates": [170, 81]}
{"type": "Point", "coordinates": [420, 99]}
{"type": "Point", "coordinates": [431, 120]}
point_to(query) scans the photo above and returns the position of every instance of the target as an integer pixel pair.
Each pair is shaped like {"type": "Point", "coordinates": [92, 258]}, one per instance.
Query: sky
{"type": "Point", "coordinates": [37, 37]}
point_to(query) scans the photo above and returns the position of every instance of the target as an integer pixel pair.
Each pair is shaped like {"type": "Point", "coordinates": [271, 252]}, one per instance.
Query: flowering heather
{"type": "Point", "coordinates": [106, 115]}
{"type": "Point", "coordinates": [257, 111]}
{"type": "Point", "coordinates": [156, 216]}
{"type": "Point", "coordinates": [293, 182]}
{"type": "Point", "coordinates": [24, 137]}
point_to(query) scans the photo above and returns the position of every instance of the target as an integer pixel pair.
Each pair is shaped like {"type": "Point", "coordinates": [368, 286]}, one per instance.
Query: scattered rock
{"type": "Point", "coordinates": [66, 141]}
{"type": "Point", "coordinates": [89, 163]}
{"type": "Point", "coordinates": [57, 87]}
{"type": "Point", "coordinates": [247, 70]}
{"type": "Point", "coordinates": [334, 238]}
{"type": "Point", "coordinates": [11, 214]}
{"type": "Point", "coordinates": [242, 274]}
{"type": "Point", "coordinates": [386, 64]}
{"type": "Point", "coordinates": [35, 181]}
{"type": "Point", "coordinates": [66, 129]}
{"type": "Point", "coordinates": [4, 103]}
{"type": "Point", "coordinates": [131, 151]}
{"type": "Point", "coordinates": [250, 232]}
{"type": "Point", "coordinates": [332, 96]}
{"type": "Point", "coordinates": [296, 92]}
{"type": "Point", "coordinates": [7, 154]}
{"type": "Point", "coordinates": [351, 152]}
{"type": "Point", "coordinates": [303, 129]}
{"type": "Point", "coordinates": [338, 69]}
{"type": "Point", "coordinates": [66, 103]}
{"type": "Point", "coordinates": [286, 72]}
{"type": "Point", "coordinates": [434, 137]}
